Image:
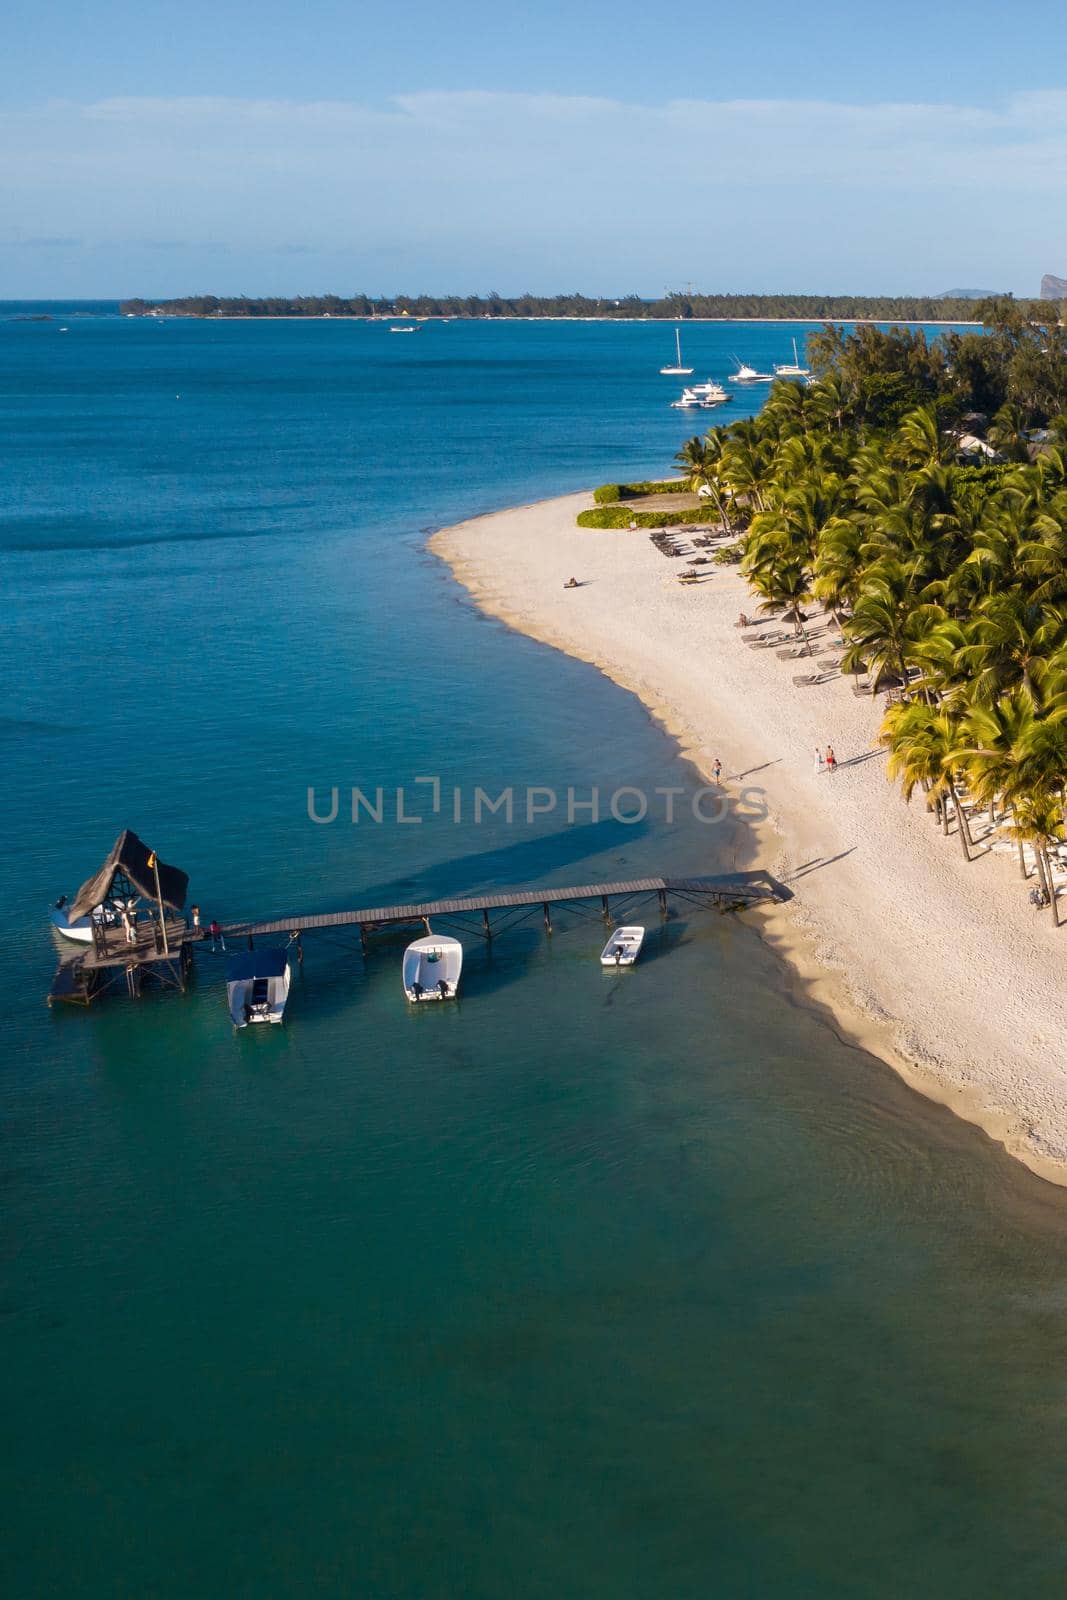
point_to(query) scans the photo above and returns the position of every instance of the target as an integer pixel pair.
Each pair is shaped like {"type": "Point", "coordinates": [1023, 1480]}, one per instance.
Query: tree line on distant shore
{"type": "Point", "coordinates": [947, 576]}
{"type": "Point", "coordinates": [679, 307]}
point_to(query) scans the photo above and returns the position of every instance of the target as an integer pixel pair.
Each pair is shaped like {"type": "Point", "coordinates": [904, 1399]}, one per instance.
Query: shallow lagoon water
{"type": "Point", "coordinates": [594, 1283]}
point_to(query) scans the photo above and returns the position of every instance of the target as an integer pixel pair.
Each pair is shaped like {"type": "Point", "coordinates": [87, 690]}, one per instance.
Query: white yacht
{"type": "Point", "coordinates": [257, 986]}
{"type": "Point", "coordinates": [794, 371]}
{"type": "Point", "coordinates": [432, 967]}
{"type": "Point", "coordinates": [677, 371]}
{"type": "Point", "coordinates": [623, 948]}
{"type": "Point", "coordinates": [709, 393]}
{"type": "Point", "coordinates": [747, 374]}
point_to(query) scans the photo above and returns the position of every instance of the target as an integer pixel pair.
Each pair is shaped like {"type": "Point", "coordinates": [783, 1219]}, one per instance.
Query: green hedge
{"type": "Point", "coordinates": [608, 493]}
{"type": "Point", "coordinates": [622, 516]}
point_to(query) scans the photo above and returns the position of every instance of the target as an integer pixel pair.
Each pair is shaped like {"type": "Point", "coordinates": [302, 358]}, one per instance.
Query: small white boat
{"type": "Point", "coordinates": [408, 327]}
{"type": "Point", "coordinates": [747, 374]}
{"type": "Point", "coordinates": [687, 402]}
{"type": "Point", "coordinates": [677, 371]}
{"type": "Point", "coordinates": [257, 986]}
{"type": "Point", "coordinates": [794, 371]}
{"type": "Point", "coordinates": [81, 929]}
{"type": "Point", "coordinates": [432, 967]}
{"type": "Point", "coordinates": [623, 948]}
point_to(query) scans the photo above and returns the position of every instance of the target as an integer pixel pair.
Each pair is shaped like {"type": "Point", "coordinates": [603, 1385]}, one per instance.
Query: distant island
{"type": "Point", "coordinates": [676, 307]}
{"type": "Point", "coordinates": [971, 294]}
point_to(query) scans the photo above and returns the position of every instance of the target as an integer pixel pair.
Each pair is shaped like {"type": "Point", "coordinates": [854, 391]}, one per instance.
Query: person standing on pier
{"type": "Point", "coordinates": [216, 934]}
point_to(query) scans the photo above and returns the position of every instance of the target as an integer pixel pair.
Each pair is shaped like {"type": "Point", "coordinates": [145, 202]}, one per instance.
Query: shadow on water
{"type": "Point", "coordinates": [542, 862]}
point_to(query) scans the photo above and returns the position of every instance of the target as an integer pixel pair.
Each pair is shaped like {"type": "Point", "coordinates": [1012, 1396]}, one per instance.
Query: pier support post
{"type": "Point", "coordinates": [299, 951]}
{"type": "Point", "coordinates": [607, 908]}
{"type": "Point", "coordinates": [548, 917]}
{"type": "Point", "coordinates": [485, 925]}
{"type": "Point", "coordinates": [662, 902]}
{"type": "Point", "coordinates": [362, 939]}
{"type": "Point", "coordinates": [251, 942]}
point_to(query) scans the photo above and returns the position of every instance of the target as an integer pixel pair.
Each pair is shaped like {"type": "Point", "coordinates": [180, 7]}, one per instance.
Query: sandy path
{"type": "Point", "coordinates": [942, 968]}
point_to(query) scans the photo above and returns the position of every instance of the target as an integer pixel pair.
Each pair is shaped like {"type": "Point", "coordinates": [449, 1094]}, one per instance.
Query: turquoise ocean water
{"type": "Point", "coordinates": [604, 1285]}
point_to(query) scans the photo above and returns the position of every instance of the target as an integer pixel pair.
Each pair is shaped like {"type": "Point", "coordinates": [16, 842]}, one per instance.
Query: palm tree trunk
{"type": "Point", "coordinates": [1046, 881]}
{"type": "Point", "coordinates": [1025, 871]}
{"type": "Point", "coordinates": [1051, 886]}
{"type": "Point", "coordinates": [961, 821]}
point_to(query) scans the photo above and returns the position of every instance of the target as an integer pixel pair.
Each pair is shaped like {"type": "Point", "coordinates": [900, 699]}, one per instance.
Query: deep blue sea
{"type": "Point", "coordinates": [624, 1285]}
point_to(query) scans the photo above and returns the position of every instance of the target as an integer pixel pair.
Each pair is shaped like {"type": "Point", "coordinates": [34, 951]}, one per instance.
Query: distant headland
{"type": "Point", "coordinates": [675, 307]}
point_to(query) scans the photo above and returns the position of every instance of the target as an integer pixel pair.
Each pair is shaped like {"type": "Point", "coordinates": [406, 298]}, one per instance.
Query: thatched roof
{"type": "Point", "coordinates": [130, 855]}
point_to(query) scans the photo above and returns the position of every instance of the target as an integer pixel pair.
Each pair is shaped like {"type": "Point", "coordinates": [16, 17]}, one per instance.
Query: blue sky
{"type": "Point", "coordinates": [162, 148]}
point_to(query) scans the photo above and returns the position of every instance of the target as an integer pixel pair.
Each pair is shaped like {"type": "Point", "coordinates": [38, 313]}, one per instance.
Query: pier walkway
{"type": "Point", "coordinates": [725, 892]}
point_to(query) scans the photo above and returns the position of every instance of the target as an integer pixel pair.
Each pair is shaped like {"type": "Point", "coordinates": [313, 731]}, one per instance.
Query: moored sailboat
{"type": "Point", "coordinates": [677, 371]}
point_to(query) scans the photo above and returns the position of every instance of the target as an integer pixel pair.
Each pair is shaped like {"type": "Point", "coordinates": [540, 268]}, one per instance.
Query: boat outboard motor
{"type": "Point", "coordinates": [416, 989]}
{"type": "Point", "coordinates": [442, 988]}
{"type": "Point", "coordinates": [61, 902]}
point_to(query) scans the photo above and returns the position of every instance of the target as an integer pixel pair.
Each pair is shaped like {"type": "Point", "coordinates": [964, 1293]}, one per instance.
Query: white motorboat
{"type": "Point", "coordinates": [623, 948]}
{"type": "Point", "coordinates": [80, 930]}
{"type": "Point", "coordinates": [794, 371]}
{"type": "Point", "coordinates": [686, 402]}
{"type": "Point", "coordinates": [407, 327]}
{"type": "Point", "coordinates": [747, 374]}
{"type": "Point", "coordinates": [677, 371]}
{"type": "Point", "coordinates": [257, 986]}
{"type": "Point", "coordinates": [432, 967]}
{"type": "Point", "coordinates": [709, 393]}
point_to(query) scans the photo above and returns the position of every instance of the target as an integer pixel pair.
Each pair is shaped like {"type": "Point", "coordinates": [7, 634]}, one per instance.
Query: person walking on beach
{"type": "Point", "coordinates": [716, 770]}
{"type": "Point", "coordinates": [818, 761]}
{"type": "Point", "coordinates": [831, 759]}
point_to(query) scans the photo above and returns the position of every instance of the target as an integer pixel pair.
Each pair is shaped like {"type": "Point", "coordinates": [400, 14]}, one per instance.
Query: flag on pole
{"type": "Point", "coordinates": [151, 858]}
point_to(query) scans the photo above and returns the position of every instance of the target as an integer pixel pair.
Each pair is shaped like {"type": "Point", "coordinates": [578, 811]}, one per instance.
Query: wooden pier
{"type": "Point", "coordinates": [115, 959]}
{"type": "Point", "coordinates": [732, 892]}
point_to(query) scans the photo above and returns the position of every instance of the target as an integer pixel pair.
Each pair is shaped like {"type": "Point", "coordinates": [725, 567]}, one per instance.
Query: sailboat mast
{"type": "Point", "coordinates": [678, 344]}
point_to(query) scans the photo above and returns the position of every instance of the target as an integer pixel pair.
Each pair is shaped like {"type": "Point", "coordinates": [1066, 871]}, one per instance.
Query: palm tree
{"type": "Point", "coordinates": [1037, 821]}
{"type": "Point", "coordinates": [785, 587]}
{"type": "Point", "coordinates": [1011, 640]}
{"type": "Point", "coordinates": [918, 441]}
{"type": "Point", "coordinates": [838, 566]}
{"type": "Point", "coordinates": [923, 743]}
{"type": "Point", "coordinates": [884, 621]}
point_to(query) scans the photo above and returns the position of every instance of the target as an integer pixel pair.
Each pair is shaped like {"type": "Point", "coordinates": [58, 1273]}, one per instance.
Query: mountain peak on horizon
{"type": "Point", "coordinates": [1053, 288]}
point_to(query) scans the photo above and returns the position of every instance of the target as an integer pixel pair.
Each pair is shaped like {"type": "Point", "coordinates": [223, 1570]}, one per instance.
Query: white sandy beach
{"type": "Point", "coordinates": [942, 968]}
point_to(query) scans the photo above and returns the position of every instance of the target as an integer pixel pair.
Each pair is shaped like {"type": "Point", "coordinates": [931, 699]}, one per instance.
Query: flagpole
{"type": "Point", "coordinates": [159, 897]}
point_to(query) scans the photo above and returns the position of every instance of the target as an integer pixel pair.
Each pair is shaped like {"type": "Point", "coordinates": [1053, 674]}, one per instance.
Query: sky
{"type": "Point", "coordinates": [273, 148]}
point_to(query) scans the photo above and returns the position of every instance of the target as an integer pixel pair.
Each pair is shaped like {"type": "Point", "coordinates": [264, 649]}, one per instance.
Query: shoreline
{"type": "Point", "coordinates": [346, 316]}
{"type": "Point", "coordinates": [939, 968]}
